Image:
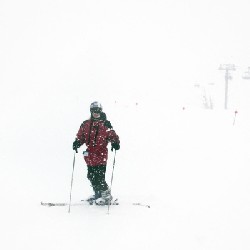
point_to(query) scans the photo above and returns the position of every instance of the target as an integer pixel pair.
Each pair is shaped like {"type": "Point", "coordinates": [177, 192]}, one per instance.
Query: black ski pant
{"type": "Point", "coordinates": [96, 176]}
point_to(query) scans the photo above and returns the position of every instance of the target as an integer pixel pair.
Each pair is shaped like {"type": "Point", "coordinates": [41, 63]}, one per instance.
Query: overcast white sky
{"type": "Point", "coordinates": [79, 49]}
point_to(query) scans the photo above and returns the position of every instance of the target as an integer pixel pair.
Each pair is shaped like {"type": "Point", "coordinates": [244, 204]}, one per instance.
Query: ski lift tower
{"type": "Point", "coordinates": [227, 68]}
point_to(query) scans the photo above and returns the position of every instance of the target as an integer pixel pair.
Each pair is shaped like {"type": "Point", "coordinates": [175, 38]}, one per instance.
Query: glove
{"type": "Point", "coordinates": [115, 146]}
{"type": "Point", "coordinates": [76, 144]}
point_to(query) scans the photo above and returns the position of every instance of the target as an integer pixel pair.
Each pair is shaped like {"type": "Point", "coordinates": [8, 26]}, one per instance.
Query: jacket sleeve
{"type": "Point", "coordinates": [80, 134]}
{"type": "Point", "coordinates": [113, 137]}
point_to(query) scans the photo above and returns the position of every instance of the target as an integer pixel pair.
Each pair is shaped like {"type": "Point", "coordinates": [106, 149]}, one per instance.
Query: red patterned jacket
{"type": "Point", "coordinates": [96, 136]}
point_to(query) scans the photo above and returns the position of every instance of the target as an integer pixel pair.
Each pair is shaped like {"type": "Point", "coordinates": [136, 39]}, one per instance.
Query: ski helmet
{"type": "Point", "coordinates": [95, 106]}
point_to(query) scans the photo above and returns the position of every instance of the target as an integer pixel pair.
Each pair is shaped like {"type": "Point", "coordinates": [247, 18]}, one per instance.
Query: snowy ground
{"type": "Point", "coordinates": [191, 166]}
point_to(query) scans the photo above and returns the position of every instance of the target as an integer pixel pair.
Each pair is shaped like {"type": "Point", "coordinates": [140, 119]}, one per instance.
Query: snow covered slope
{"type": "Point", "coordinates": [191, 166]}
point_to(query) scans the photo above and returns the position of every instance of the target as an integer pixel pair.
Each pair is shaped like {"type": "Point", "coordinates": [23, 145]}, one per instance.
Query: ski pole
{"type": "Point", "coordinates": [112, 176]}
{"type": "Point", "coordinates": [72, 182]}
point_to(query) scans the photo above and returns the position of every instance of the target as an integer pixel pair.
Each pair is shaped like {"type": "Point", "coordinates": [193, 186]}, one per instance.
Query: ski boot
{"type": "Point", "coordinates": [92, 198]}
{"type": "Point", "coordinates": [105, 198]}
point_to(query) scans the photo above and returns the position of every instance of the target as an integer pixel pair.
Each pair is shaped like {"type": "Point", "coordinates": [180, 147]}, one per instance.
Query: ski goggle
{"type": "Point", "coordinates": [96, 110]}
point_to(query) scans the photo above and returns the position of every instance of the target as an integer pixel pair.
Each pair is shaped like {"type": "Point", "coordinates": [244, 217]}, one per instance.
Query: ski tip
{"type": "Point", "coordinates": [140, 204]}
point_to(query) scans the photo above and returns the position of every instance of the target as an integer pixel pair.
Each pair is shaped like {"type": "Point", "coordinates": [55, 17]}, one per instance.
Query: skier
{"type": "Point", "coordinates": [96, 133]}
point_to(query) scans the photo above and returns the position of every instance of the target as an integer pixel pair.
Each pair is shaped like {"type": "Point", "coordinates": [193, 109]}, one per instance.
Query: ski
{"type": "Point", "coordinates": [60, 204]}
{"type": "Point", "coordinates": [85, 202]}
{"type": "Point", "coordinates": [82, 203]}
{"type": "Point", "coordinates": [140, 204]}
